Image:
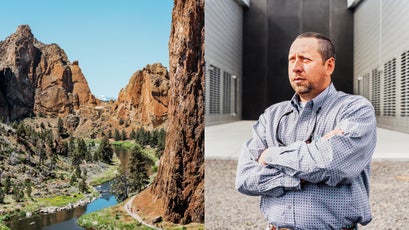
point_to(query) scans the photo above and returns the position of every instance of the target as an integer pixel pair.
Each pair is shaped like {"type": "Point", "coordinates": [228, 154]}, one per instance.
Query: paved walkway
{"type": "Point", "coordinates": [224, 142]}
{"type": "Point", "coordinates": [131, 212]}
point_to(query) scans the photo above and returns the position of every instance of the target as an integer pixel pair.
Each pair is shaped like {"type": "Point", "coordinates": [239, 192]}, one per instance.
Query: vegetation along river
{"type": "Point", "coordinates": [67, 219]}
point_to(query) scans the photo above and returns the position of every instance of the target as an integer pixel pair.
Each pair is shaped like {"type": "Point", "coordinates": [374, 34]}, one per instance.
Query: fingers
{"type": "Point", "coordinates": [261, 160]}
{"type": "Point", "coordinates": [333, 133]}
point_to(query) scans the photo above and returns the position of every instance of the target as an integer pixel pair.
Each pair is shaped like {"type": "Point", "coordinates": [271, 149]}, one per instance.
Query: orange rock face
{"type": "Point", "coordinates": [145, 99]}
{"type": "Point", "coordinates": [38, 79]}
{"type": "Point", "coordinates": [179, 185]}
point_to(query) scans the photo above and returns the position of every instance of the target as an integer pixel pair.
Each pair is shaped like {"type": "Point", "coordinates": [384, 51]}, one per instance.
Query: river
{"type": "Point", "coordinates": [67, 219]}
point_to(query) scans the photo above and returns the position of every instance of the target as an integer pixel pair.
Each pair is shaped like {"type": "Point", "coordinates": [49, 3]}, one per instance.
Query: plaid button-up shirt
{"type": "Point", "coordinates": [312, 182]}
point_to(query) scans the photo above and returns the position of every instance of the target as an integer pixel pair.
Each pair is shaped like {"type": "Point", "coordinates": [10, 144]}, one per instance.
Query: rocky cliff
{"type": "Point", "coordinates": [145, 99]}
{"type": "Point", "coordinates": [38, 79]}
{"type": "Point", "coordinates": [179, 185]}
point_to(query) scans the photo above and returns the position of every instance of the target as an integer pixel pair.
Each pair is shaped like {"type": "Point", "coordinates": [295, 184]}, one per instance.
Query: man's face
{"type": "Point", "coordinates": [309, 75]}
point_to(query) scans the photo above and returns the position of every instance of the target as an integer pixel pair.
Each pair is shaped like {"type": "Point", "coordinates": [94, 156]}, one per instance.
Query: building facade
{"type": "Point", "coordinates": [223, 56]}
{"type": "Point", "coordinates": [246, 49]}
{"type": "Point", "coordinates": [269, 28]}
{"type": "Point", "coordinates": [247, 42]}
{"type": "Point", "coordinates": [381, 60]}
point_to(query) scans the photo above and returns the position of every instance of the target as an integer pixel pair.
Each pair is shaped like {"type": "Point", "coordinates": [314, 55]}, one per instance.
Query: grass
{"type": "Point", "coordinates": [124, 144]}
{"type": "Point", "coordinates": [108, 175]}
{"type": "Point", "coordinates": [60, 200]}
{"type": "Point", "coordinates": [2, 226]}
{"type": "Point", "coordinates": [110, 218]}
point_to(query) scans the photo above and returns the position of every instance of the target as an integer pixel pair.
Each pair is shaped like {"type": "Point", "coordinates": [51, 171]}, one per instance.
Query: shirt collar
{"type": "Point", "coordinates": [317, 102]}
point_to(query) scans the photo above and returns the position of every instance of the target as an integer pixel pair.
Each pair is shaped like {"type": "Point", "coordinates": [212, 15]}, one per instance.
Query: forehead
{"type": "Point", "coordinates": [304, 46]}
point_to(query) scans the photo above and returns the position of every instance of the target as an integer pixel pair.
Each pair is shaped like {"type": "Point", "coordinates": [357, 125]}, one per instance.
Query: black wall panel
{"type": "Point", "coordinates": [270, 26]}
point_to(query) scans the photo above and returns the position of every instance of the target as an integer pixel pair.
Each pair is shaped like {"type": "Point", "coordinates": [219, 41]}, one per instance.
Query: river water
{"type": "Point", "coordinates": [67, 219]}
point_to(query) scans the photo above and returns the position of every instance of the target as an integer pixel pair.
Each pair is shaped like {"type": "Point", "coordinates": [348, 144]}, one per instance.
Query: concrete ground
{"type": "Point", "coordinates": [224, 142]}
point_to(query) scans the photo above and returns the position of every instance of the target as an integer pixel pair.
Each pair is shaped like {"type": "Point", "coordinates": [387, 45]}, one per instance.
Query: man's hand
{"type": "Point", "coordinates": [333, 133]}
{"type": "Point", "coordinates": [327, 136]}
{"type": "Point", "coordinates": [261, 159]}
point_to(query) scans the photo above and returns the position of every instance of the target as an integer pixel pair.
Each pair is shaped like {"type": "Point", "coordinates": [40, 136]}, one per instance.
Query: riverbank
{"type": "Point", "coordinates": [228, 209]}
{"type": "Point", "coordinates": [68, 196]}
{"type": "Point", "coordinates": [114, 217]}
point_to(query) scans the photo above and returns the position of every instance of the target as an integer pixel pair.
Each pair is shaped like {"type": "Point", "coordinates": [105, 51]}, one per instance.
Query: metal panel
{"type": "Point", "coordinates": [254, 59]}
{"type": "Point", "coordinates": [270, 26]}
{"type": "Point", "coordinates": [284, 24]}
{"type": "Point", "coordinates": [223, 50]}
{"type": "Point", "coordinates": [382, 44]}
{"type": "Point", "coordinates": [367, 38]}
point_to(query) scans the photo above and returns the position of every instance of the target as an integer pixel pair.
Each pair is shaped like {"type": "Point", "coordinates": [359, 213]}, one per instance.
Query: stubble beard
{"type": "Point", "coordinates": [302, 89]}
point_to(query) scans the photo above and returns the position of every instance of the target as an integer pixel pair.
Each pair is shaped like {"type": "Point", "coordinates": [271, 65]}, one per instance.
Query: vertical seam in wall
{"type": "Point", "coordinates": [265, 99]}
{"type": "Point", "coordinates": [330, 20]}
{"type": "Point", "coordinates": [300, 18]}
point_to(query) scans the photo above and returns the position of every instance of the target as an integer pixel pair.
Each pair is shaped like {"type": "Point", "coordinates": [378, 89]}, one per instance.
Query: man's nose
{"type": "Point", "coordinates": [297, 66]}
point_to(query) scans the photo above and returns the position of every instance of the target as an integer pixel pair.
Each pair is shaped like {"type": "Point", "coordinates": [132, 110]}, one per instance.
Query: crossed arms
{"type": "Point", "coordinates": [338, 157]}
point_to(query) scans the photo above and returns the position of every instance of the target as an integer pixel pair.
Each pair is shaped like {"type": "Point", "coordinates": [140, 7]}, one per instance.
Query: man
{"type": "Point", "coordinates": [309, 158]}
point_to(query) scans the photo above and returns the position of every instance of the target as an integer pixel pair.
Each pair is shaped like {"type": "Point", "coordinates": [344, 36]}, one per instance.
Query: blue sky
{"type": "Point", "coordinates": [111, 39]}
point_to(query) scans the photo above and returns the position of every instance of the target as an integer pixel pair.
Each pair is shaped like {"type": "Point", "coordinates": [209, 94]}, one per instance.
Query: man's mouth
{"type": "Point", "coordinates": [298, 80]}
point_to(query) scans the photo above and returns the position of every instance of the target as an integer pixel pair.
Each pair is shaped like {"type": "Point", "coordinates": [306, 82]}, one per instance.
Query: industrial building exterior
{"type": "Point", "coordinates": [247, 42]}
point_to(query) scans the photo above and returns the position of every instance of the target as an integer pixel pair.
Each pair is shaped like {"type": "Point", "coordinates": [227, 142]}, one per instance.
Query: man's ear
{"type": "Point", "coordinates": [330, 65]}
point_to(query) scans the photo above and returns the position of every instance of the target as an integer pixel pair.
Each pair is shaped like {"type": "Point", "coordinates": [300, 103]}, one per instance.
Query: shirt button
{"type": "Point", "coordinates": [289, 207]}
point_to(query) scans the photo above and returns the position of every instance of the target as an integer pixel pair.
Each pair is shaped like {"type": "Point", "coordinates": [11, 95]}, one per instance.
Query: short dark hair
{"type": "Point", "coordinates": [327, 48]}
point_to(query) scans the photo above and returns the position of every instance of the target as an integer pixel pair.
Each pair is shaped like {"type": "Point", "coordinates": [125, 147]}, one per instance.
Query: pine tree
{"type": "Point", "coordinates": [2, 195]}
{"type": "Point", "coordinates": [123, 135]}
{"type": "Point", "coordinates": [160, 147]}
{"type": "Point", "coordinates": [7, 185]}
{"type": "Point", "coordinates": [41, 154]}
{"type": "Point", "coordinates": [21, 131]}
{"type": "Point", "coordinates": [18, 193]}
{"type": "Point", "coordinates": [73, 179]}
{"type": "Point", "coordinates": [71, 146]}
{"type": "Point", "coordinates": [117, 135]}
{"type": "Point", "coordinates": [121, 121]}
{"type": "Point", "coordinates": [77, 171]}
{"type": "Point", "coordinates": [28, 190]}
{"type": "Point", "coordinates": [82, 149]}
{"type": "Point", "coordinates": [142, 137]}
{"type": "Point", "coordinates": [82, 185]}
{"type": "Point", "coordinates": [60, 127]}
{"type": "Point", "coordinates": [120, 185]}
{"type": "Point", "coordinates": [65, 149]}
{"type": "Point", "coordinates": [138, 176]}
{"type": "Point", "coordinates": [132, 135]}
{"type": "Point", "coordinates": [105, 152]}
{"type": "Point", "coordinates": [154, 138]}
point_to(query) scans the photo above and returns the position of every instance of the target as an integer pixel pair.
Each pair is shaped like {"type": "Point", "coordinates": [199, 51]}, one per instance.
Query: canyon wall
{"type": "Point", "coordinates": [179, 184]}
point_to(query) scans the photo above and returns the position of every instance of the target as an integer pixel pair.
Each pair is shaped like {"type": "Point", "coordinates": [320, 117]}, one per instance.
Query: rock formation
{"type": "Point", "coordinates": [179, 185]}
{"type": "Point", "coordinates": [38, 79]}
{"type": "Point", "coordinates": [145, 99]}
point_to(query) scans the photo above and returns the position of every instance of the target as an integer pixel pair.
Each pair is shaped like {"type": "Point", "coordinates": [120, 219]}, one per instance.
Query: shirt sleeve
{"type": "Point", "coordinates": [339, 159]}
{"type": "Point", "coordinates": [254, 179]}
